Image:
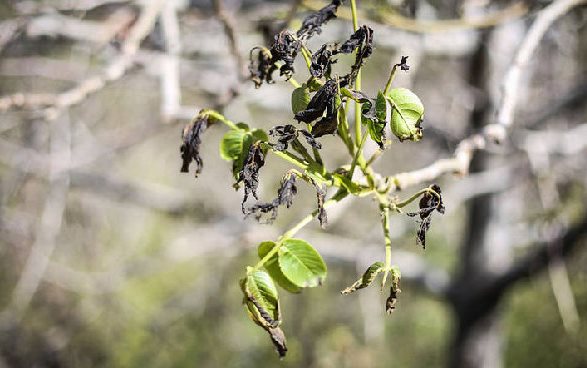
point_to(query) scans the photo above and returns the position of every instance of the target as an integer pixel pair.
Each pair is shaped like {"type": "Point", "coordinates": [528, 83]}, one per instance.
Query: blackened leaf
{"type": "Point", "coordinates": [257, 135]}
{"type": "Point", "coordinates": [285, 48]}
{"type": "Point", "coordinates": [407, 114]}
{"type": "Point", "coordinates": [320, 102]}
{"type": "Point", "coordinates": [300, 98]}
{"type": "Point", "coordinates": [267, 212]}
{"type": "Point", "coordinates": [322, 61]}
{"type": "Point", "coordinates": [249, 175]}
{"type": "Point", "coordinates": [278, 339]}
{"type": "Point", "coordinates": [301, 263]}
{"type": "Point", "coordinates": [287, 190]}
{"type": "Point", "coordinates": [261, 66]}
{"type": "Point", "coordinates": [404, 64]}
{"type": "Point", "coordinates": [374, 116]}
{"type": "Point", "coordinates": [362, 41]}
{"type": "Point", "coordinates": [311, 139]}
{"type": "Point", "coordinates": [190, 148]}
{"type": "Point", "coordinates": [272, 266]}
{"type": "Point", "coordinates": [429, 202]}
{"type": "Point", "coordinates": [264, 213]}
{"type": "Point", "coordinates": [320, 197]}
{"type": "Point", "coordinates": [366, 279]}
{"type": "Point", "coordinates": [394, 290]}
{"type": "Point", "coordinates": [285, 135]}
{"type": "Point", "coordinates": [312, 23]}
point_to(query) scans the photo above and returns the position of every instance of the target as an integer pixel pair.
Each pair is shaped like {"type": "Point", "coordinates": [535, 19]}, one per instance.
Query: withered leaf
{"type": "Point", "coordinates": [311, 139]}
{"type": "Point", "coordinates": [320, 197]}
{"type": "Point", "coordinates": [285, 134]}
{"type": "Point", "coordinates": [261, 66]}
{"type": "Point", "coordinates": [263, 61]}
{"type": "Point", "coordinates": [394, 290]}
{"type": "Point", "coordinates": [249, 175]}
{"type": "Point", "coordinates": [190, 148]}
{"type": "Point", "coordinates": [278, 339]}
{"type": "Point", "coordinates": [322, 61]}
{"type": "Point", "coordinates": [312, 23]}
{"type": "Point", "coordinates": [285, 194]}
{"type": "Point", "coordinates": [362, 41]}
{"type": "Point", "coordinates": [403, 64]}
{"type": "Point", "coordinates": [323, 100]}
{"type": "Point", "coordinates": [285, 48]}
{"type": "Point", "coordinates": [428, 203]}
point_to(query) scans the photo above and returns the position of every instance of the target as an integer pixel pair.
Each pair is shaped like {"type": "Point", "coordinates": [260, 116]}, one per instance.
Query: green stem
{"type": "Point", "coordinates": [294, 83]}
{"type": "Point", "coordinates": [219, 117]}
{"type": "Point", "coordinates": [297, 227]}
{"type": "Point", "coordinates": [307, 57]}
{"type": "Point", "coordinates": [357, 154]}
{"type": "Point", "coordinates": [386, 233]}
{"type": "Point", "coordinates": [390, 80]}
{"type": "Point", "coordinates": [357, 81]}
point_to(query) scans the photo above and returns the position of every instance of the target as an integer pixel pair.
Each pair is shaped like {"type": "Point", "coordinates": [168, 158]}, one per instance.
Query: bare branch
{"type": "Point", "coordinates": [50, 223]}
{"type": "Point", "coordinates": [101, 32]}
{"type": "Point", "coordinates": [512, 80]}
{"type": "Point", "coordinates": [544, 253]}
{"type": "Point", "coordinates": [230, 30]}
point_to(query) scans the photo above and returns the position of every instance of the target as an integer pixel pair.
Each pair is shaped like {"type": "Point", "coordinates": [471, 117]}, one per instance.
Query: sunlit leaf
{"type": "Point", "coordinates": [300, 98]}
{"type": "Point", "coordinates": [301, 263]}
{"type": "Point", "coordinates": [407, 113]}
{"type": "Point", "coordinates": [272, 266]}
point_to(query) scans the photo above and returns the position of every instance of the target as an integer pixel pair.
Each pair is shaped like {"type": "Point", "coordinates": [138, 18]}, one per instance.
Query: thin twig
{"type": "Point", "coordinates": [230, 30]}
{"type": "Point", "coordinates": [50, 223]}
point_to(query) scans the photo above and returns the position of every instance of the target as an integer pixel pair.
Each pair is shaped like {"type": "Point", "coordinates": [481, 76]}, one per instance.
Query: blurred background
{"type": "Point", "coordinates": [109, 257]}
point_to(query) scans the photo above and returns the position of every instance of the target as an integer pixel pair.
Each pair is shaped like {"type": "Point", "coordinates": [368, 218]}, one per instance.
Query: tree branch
{"type": "Point", "coordinates": [512, 80]}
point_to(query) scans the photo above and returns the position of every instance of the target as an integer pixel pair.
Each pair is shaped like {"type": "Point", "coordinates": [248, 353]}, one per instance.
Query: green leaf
{"type": "Point", "coordinates": [381, 107]}
{"type": "Point", "coordinates": [301, 263]}
{"type": "Point", "coordinates": [407, 114]}
{"type": "Point", "coordinates": [366, 279]}
{"type": "Point", "coordinates": [300, 98]}
{"type": "Point", "coordinates": [261, 298]}
{"type": "Point", "coordinates": [231, 145]}
{"type": "Point", "coordinates": [272, 266]}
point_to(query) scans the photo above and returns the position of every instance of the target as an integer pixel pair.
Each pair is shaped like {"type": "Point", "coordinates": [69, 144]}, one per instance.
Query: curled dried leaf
{"type": "Point", "coordinates": [362, 41]}
{"type": "Point", "coordinates": [430, 201]}
{"type": "Point", "coordinates": [394, 290]}
{"type": "Point", "coordinates": [249, 175]}
{"type": "Point", "coordinates": [285, 194]}
{"type": "Point", "coordinates": [320, 197]}
{"type": "Point", "coordinates": [285, 134]}
{"type": "Point", "coordinates": [366, 279]}
{"type": "Point", "coordinates": [278, 339]}
{"type": "Point", "coordinates": [403, 64]}
{"type": "Point", "coordinates": [263, 61]}
{"type": "Point", "coordinates": [285, 48]}
{"type": "Point", "coordinates": [322, 60]}
{"type": "Point", "coordinates": [323, 100]}
{"type": "Point", "coordinates": [190, 148]}
{"type": "Point", "coordinates": [312, 24]}
{"type": "Point", "coordinates": [261, 66]}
